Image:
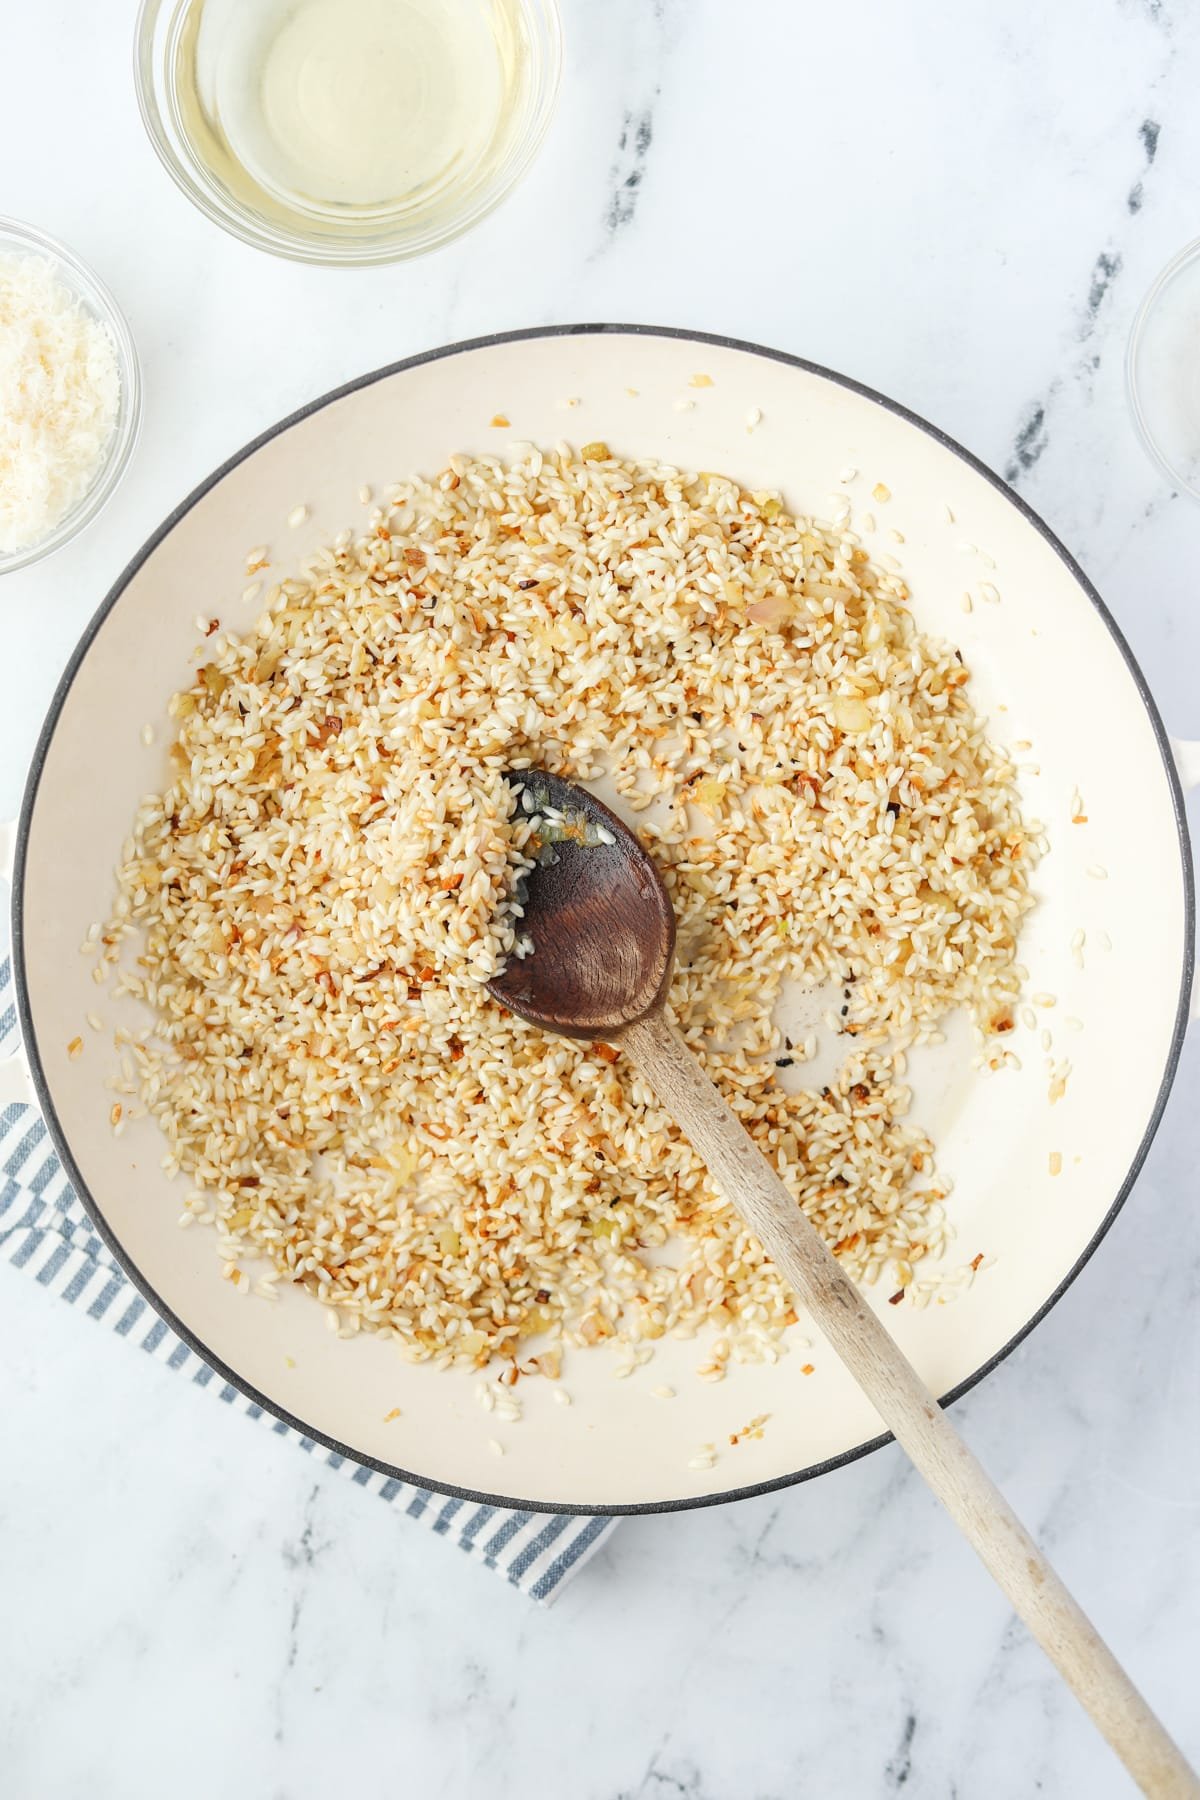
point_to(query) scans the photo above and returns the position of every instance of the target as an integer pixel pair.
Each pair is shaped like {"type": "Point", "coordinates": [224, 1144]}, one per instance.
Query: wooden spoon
{"type": "Point", "coordinates": [603, 942]}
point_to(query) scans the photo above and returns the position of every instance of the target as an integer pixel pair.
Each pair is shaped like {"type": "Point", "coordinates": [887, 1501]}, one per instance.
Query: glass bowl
{"type": "Point", "coordinates": [389, 237]}
{"type": "Point", "coordinates": [21, 240]}
{"type": "Point", "coordinates": [1162, 371]}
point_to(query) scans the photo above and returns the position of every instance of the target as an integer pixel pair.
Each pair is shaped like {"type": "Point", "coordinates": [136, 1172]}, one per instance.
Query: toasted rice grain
{"type": "Point", "coordinates": [321, 892]}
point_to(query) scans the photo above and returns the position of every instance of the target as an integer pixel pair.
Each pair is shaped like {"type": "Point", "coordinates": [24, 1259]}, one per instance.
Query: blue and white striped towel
{"type": "Point", "coordinates": [45, 1231]}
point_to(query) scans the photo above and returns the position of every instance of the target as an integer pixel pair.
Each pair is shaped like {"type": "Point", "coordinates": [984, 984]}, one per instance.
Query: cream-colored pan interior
{"type": "Point", "coordinates": [1047, 669]}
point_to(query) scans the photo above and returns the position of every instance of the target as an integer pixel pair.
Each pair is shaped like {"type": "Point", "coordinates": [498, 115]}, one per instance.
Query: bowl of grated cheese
{"type": "Point", "coordinates": [70, 395]}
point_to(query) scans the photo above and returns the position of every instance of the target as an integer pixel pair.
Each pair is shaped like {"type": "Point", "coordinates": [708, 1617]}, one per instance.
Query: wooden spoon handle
{"type": "Point", "coordinates": [904, 1403]}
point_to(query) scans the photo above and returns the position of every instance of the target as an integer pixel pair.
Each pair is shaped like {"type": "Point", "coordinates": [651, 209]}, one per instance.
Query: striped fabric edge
{"type": "Point", "coordinates": [45, 1232]}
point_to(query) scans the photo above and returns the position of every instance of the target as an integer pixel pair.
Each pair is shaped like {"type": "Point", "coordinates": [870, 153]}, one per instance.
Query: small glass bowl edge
{"type": "Point", "coordinates": [16, 236]}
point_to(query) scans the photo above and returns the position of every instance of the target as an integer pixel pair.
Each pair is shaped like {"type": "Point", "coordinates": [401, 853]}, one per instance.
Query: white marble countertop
{"type": "Point", "coordinates": [958, 204]}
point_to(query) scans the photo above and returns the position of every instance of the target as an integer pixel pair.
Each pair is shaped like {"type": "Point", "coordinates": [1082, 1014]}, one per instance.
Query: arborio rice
{"type": "Point", "coordinates": [317, 898]}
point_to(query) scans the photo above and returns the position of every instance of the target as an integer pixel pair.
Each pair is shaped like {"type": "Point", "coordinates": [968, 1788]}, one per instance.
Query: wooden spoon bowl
{"type": "Point", "coordinates": [599, 918]}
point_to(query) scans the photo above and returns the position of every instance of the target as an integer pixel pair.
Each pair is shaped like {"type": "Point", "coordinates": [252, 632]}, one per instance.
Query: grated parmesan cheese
{"type": "Point", "coordinates": [60, 388]}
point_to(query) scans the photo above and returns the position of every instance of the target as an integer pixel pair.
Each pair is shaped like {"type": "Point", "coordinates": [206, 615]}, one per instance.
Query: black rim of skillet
{"type": "Point", "coordinates": [29, 1035]}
